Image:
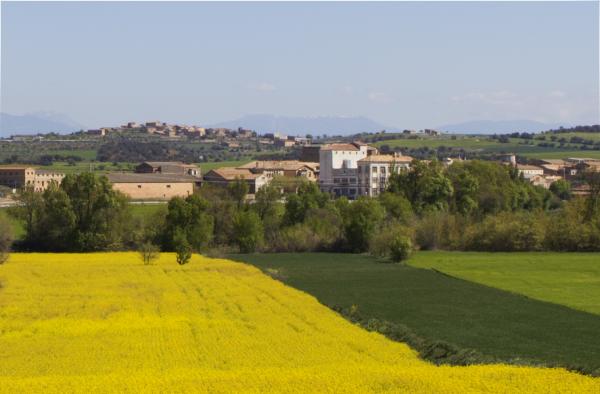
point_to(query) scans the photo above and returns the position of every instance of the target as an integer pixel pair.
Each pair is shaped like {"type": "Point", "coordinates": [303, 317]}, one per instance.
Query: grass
{"type": "Point", "coordinates": [439, 307]}
{"type": "Point", "coordinates": [17, 226]}
{"type": "Point", "coordinates": [593, 154]}
{"type": "Point", "coordinates": [470, 143]}
{"type": "Point", "coordinates": [83, 166]}
{"type": "Point", "coordinates": [483, 144]}
{"type": "Point", "coordinates": [146, 210]}
{"type": "Point", "coordinates": [104, 322]}
{"type": "Point", "coordinates": [571, 279]}
{"type": "Point", "coordinates": [85, 154]}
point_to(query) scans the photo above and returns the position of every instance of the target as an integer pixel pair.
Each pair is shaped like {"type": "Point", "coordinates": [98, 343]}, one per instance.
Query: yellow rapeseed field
{"type": "Point", "coordinates": [107, 323]}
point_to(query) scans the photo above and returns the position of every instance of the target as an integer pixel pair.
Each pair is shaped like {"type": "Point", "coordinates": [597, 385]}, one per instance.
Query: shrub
{"type": "Point", "coordinates": [506, 232]}
{"type": "Point", "coordinates": [148, 252]}
{"type": "Point", "coordinates": [361, 220]}
{"type": "Point", "coordinates": [248, 231]}
{"type": "Point", "coordinates": [400, 248]}
{"type": "Point", "coordinates": [6, 239]}
{"type": "Point", "coordinates": [296, 238]}
{"type": "Point", "coordinates": [440, 230]}
{"type": "Point", "coordinates": [393, 241]}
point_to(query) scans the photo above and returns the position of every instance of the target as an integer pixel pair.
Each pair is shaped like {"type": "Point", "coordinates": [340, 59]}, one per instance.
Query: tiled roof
{"type": "Point", "coordinates": [129, 177]}
{"type": "Point", "coordinates": [553, 161]}
{"type": "Point", "coordinates": [230, 173]}
{"type": "Point", "coordinates": [14, 167]}
{"type": "Point", "coordinates": [163, 163]}
{"type": "Point", "coordinates": [345, 147]}
{"type": "Point", "coordinates": [288, 165]}
{"type": "Point", "coordinates": [386, 159]}
{"type": "Point", "coordinates": [528, 167]}
{"type": "Point", "coordinates": [48, 172]}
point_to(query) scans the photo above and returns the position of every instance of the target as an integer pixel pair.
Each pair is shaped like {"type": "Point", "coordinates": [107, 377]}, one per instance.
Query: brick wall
{"type": "Point", "coordinates": [155, 191]}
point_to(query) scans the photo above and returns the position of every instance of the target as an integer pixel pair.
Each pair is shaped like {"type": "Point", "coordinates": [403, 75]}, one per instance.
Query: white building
{"type": "Point", "coordinates": [338, 167]}
{"type": "Point", "coordinates": [375, 170]}
{"type": "Point", "coordinates": [529, 171]}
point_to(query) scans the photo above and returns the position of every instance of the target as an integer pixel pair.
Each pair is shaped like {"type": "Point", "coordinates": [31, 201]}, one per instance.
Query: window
{"type": "Point", "coordinates": [168, 186]}
{"type": "Point", "coordinates": [139, 186]}
{"type": "Point", "coordinates": [374, 170]}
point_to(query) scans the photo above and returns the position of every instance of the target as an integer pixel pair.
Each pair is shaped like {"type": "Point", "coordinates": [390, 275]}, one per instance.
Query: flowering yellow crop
{"type": "Point", "coordinates": [107, 323]}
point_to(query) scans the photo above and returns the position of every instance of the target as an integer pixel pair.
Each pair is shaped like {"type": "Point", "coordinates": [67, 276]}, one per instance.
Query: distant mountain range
{"type": "Point", "coordinates": [296, 125]}
{"type": "Point", "coordinates": [46, 122]}
{"type": "Point", "coordinates": [499, 127]}
{"type": "Point", "coordinates": [37, 122]}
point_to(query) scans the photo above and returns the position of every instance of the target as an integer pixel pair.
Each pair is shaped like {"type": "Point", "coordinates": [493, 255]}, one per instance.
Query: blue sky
{"type": "Point", "coordinates": [403, 64]}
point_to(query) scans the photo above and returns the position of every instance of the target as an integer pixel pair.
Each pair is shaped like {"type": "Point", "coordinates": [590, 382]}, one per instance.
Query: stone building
{"type": "Point", "coordinates": [287, 168]}
{"type": "Point", "coordinates": [374, 171]}
{"type": "Point", "coordinates": [338, 164]}
{"type": "Point", "coordinates": [168, 167]}
{"type": "Point", "coordinates": [16, 177]}
{"type": "Point", "coordinates": [225, 175]}
{"type": "Point", "coordinates": [153, 186]}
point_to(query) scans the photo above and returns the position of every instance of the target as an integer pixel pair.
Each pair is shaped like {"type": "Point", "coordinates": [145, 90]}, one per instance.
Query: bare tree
{"type": "Point", "coordinates": [148, 253]}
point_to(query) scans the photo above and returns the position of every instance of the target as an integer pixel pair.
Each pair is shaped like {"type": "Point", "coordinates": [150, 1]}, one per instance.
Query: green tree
{"type": "Point", "coordinates": [84, 213]}
{"type": "Point", "coordinates": [562, 189]}
{"type": "Point", "coordinates": [189, 218]}
{"type": "Point", "coordinates": [361, 220]}
{"type": "Point", "coordinates": [248, 231]}
{"type": "Point", "coordinates": [238, 189]}
{"type": "Point", "coordinates": [56, 220]}
{"type": "Point", "coordinates": [29, 207]}
{"type": "Point", "coordinates": [397, 207]}
{"type": "Point", "coordinates": [308, 197]}
{"type": "Point", "coordinates": [425, 185]}
{"type": "Point", "coordinates": [592, 179]}
{"type": "Point", "coordinates": [100, 213]}
{"type": "Point", "coordinates": [222, 208]}
{"type": "Point", "coordinates": [269, 209]}
{"type": "Point", "coordinates": [183, 249]}
{"type": "Point", "coordinates": [466, 188]}
{"type": "Point", "coordinates": [6, 238]}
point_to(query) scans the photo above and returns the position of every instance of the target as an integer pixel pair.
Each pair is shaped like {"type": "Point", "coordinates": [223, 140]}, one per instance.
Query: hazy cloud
{"type": "Point", "coordinates": [262, 87]}
{"type": "Point", "coordinates": [494, 97]}
{"type": "Point", "coordinates": [378, 97]}
{"type": "Point", "coordinates": [557, 94]}
{"type": "Point", "coordinates": [551, 106]}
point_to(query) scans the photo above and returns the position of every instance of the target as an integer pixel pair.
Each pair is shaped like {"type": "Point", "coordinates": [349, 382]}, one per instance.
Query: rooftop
{"type": "Point", "coordinates": [230, 173]}
{"type": "Point", "coordinates": [340, 146]}
{"type": "Point", "coordinates": [290, 165]}
{"type": "Point", "coordinates": [528, 167]}
{"type": "Point", "coordinates": [386, 159]}
{"type": "Point", "coordinates": [129, 177]}
{"type": "Point", "coordinates": [15, 167]}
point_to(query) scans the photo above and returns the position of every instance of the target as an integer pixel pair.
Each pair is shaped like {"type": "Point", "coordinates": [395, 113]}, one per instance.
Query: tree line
{"type": "Point", "coordinates": [474, 205]}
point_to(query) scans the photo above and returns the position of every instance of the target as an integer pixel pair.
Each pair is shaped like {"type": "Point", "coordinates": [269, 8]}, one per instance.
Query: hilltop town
{"type": "Point", "coordinates": [340, 168]}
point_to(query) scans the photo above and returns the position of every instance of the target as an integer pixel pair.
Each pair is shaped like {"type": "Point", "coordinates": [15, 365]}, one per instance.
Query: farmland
{"type": "Point", "coordinates": [439, 307]}
{"type": "Point", "coordinates": [205, 167]}
{"type": "Point", "coordinates": [571, 279]}
{"type": "Point", "coordinates": [481, 144]}
{"type": "Point", "coordinates": [108, 323]}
